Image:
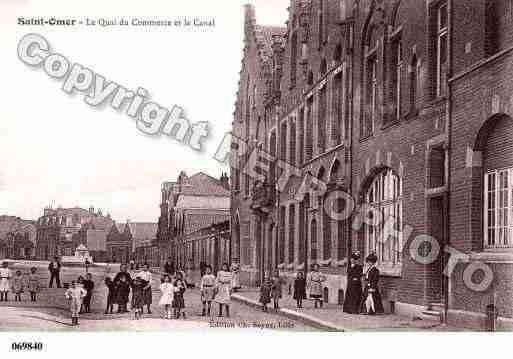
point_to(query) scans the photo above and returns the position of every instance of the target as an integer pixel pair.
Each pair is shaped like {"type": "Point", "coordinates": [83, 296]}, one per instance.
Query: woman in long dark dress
{"type": "Point", "coordinates": [122, 282]}
{"type": "Point", "coordinates": [300, 289]}
{"type": "Point", "coordinates": [371, 297]}
{"type": "Point", "coordinates": [353, 298]}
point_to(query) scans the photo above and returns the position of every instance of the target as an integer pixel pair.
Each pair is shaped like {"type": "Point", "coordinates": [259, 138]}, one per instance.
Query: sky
{"type": "Point", "coordinates": [57, 150]}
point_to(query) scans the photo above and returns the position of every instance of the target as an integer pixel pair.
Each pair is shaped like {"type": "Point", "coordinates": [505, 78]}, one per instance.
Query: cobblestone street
{"type": "Point", "coordinates": [51, 310]}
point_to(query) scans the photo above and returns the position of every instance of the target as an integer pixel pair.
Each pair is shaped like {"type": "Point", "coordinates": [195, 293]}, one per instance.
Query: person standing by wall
{"type": "Point", "coordinates": [276, 289]}
{"type": "Point", "coordinates": [55, 271]}
{"type": "Point", "coordinates": [89, 287]}
{"type": "Point", "coordinates": [300, 289]}
{"type": "Point", "coordinates": [33, 284]}
{"type": "Point", "coordinates": [207, 288]}
{"type": "Point", "coordinates": [371, 297]}
{"type": "Point", "coordinates": [352, 301]}
{"type": "Point", "coordinates": [75, 294]}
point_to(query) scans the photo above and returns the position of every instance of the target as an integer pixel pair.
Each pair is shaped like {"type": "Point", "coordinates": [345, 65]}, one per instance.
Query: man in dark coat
{"type": "Point", "coordinates": [55, 269]}
{"type": "Point", "coordinates": [169, 267]}
{"type": "Point", "coordinates": [122, 282]}
{"type": "Point", "coordinates": [353, 297]}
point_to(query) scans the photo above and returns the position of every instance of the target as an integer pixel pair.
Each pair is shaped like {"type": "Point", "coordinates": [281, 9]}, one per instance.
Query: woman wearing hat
{"type": "Point", "coordinates": [353, 298]}
{"type": "Point", "coordinates": [371, 298]}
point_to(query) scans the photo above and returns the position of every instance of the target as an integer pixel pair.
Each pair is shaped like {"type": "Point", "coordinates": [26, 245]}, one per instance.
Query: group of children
{"type": "Point", "coordinates": [18, 284]}
{"type": "Point", "coordinates": [271, 289]}
{"type": "Point", "coordinates": [172, 290]}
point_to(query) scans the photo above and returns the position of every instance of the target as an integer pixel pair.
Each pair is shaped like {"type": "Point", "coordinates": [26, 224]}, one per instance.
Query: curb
{"type": "Point", "coordinates": [291, 314]}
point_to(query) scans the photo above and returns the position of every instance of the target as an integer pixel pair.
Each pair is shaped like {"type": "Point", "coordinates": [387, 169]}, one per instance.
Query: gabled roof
{"type": "Point", "coordinates": [202, 184]}
{"type": "Point", "coordinates": [10, 224]}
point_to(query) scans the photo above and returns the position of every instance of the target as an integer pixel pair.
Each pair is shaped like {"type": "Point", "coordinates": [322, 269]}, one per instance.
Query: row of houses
{"type": "Point", "coordinates": [406, 107]}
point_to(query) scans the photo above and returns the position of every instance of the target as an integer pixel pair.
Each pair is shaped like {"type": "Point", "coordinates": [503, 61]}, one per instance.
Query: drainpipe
{"type": "Point", "coordinates": [448, 129]}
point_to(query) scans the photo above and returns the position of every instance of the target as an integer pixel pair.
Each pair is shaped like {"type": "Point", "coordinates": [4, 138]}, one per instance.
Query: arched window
{"type": "Point", "coordinates": [384, 195]}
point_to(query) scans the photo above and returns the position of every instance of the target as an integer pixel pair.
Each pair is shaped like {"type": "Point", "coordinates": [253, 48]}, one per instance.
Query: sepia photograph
{"type": "Point", "coordinates": [281, 168]}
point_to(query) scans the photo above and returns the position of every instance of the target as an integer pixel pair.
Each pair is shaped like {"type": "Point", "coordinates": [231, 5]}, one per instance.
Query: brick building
{"type": "Point", "coordinates": [189, 205]}
{"type": "Point", "coordinates": [405, 105]}
{"type": "Point", "coordinates": [17, 238]}
{"type": "Point", "coordinates": [57, 228]}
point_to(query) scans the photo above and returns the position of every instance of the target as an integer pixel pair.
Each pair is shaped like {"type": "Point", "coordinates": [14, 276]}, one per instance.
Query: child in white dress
{"type": "Point", "coordinates": [5, 281]}
{"type": "Point", "coordinates": [75, 295]}
{"type": "Point", "coordinates": [168, 292]}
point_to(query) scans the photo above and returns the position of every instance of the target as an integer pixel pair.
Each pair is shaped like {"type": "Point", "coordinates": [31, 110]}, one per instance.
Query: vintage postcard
{"type": "Point", "coordinates": [282, 166]}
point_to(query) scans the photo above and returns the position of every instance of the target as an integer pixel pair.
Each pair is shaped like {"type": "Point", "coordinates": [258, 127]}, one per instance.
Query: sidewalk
{"type": "Point", "coordinates": [332, 318]}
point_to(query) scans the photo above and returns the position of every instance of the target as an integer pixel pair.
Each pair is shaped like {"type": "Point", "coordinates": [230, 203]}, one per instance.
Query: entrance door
{"type": "Point", "coordinates": [435, 279]}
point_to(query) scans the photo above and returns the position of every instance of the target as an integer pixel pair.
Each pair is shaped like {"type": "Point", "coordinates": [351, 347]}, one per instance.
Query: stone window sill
{"type": "Point", "coordinates": [493, 256]}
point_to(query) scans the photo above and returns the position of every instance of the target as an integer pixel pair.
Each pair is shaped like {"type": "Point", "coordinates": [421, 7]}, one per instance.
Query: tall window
{"type": "Point", "coordinates": [301, 138]}
{"type": "Point", "coordinates": [321, 23]}
{"type": "Point", "coordinates": [413, 82]}
{"type": "Point", "coordinates": [293, 59]}
{"type": "Point", "coordinates": [313, 241]}
{"type": "Point", "coordinates": [321, 121]}
{"type": "Point", "coordinates": [338, 118]}
{"type": "Point", "coordinates": [441, 50]}
{"type": "Point", "coordinates": [371, 96]}
{"type": "Point", "coordinates": [309, 130]}
{"type": "Point", "coordinates": [292, 232]}
{"type": "Point", "coordinates": [281, 244]}
{"type": "Point", "coordinates": [498, 213]}
{"type": "Point", "coordinates": [396, 76]}
{"type": "Point", "coordinates": [385, 197]}
{"type": "Point", "coordinates": [292, 141]}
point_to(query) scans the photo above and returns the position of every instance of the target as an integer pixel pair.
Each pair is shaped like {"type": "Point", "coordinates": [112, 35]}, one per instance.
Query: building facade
{"type": "Point", "coordinates": [405, 107]}
{"type": "Point", "coordinates": [57, 227]}
{"type": "Point", "coordinates": [189, 205]}
{"type": "Point", "coordinates": [17, 238]}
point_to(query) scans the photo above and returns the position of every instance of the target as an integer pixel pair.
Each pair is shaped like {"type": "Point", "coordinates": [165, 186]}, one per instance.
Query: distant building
{"type": "Point", "coordinates": [17, 238]}
{"type": "Point", "coordinates": [132, 240]}
{"type": "Point", "coordinates": [58, 230]}
{"type": "Point", "coordinates": [189, 205]}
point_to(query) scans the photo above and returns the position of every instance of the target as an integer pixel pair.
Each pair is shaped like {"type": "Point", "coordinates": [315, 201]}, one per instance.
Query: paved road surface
{"type": "Point", "coordinates": [50, 312]}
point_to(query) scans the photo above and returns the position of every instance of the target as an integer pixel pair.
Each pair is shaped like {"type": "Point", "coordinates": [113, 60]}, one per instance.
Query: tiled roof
{"type": "Point", "coordinates": [203, 202]}
{"type": "Point", "coordinates": [203, 184]}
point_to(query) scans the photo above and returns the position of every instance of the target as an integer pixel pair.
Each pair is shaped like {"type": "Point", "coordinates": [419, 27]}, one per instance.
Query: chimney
{"type": "Point", "coordinates": [91, 210]}
{"type": "Point", "coordinates": [225, 181]}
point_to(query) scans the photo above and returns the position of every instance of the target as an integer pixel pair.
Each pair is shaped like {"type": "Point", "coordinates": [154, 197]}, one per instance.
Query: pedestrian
{"type": "Point", "coordinates": [207, 288]}
{"type": "Point", "coordinates": [178, 300]}
{"type": "Point", "coordinates": [87, 264]}
{"type": "Point", "coordinates": [18, 285]}
{"type": "Point", "coordinates": [371, 297]}
{"type": "Point", "coordinates": [75, 295]}
{"type": "Point", "coordinates": [300, 289]}
{"type": "Point", "coordinates": [33, 284]}
{"type": "Point", "coordinates": [5, 282]}
{"type": "Point", "coordinates": [89, 287]}
{"type": "Point", "coordinates": [224, 289]}
{"type": "Point", "coordinates": [352, 301]}
{"type": "Point", "coordinates": [235, 269]}
{"type": "Point", "coordinates": [315, 284]}
{"type": "Point", "coordinates": [111, 295]}
{"type": "Point", "coordinates": [145, 276]}
{"type": "Point", "coordinates": [265, 292]}
{"type": "Point", "coordinates": [276, 289]}
{"type": "Point", "coordinates": [138, 297]}
{"type": "Point", "coordinates": [55, 271]}
{"type": "Point", "coordinates": [122, 282]}
{"type": "Point", "coordinates": [169, 267]}
{"type": "Point", "coordinates": [168, 290]}
{"type": "Point", "coordinates": [203, 268]}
